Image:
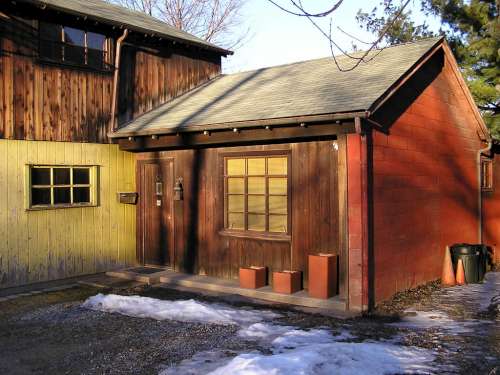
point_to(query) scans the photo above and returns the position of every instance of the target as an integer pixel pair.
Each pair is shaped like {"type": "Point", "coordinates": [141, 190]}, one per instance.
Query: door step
{"type": "Point", "coordinates": [148, 275]}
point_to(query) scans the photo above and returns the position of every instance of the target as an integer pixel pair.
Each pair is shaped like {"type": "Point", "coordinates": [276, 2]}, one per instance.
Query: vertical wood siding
{"type": "Point", "coordinates": [148, 80]}
{"type": "Point", "coordinates": [46, 102]}
{"type": "Point", "coordinates": [52, 244]}
{"type": "Point", "coordinates": [200, 248]}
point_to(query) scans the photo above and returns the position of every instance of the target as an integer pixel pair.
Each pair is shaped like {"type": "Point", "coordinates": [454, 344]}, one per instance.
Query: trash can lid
{"type": "Point", "coordinates": [463, 249]}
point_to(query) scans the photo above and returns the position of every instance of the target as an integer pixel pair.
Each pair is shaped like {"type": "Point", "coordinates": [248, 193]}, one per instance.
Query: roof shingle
{"type": "Point", "coordinates": [306, 88]}
{"type": "Point", "coordinates": [134, 20]}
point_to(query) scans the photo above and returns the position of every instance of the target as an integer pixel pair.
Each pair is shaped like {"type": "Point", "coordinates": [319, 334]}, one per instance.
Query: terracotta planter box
{"type": "Point", "coordinates": [252, 277]}
{"type": "Point", "coordinates": [287, 281]}
{"type": "Point", "coordinates": [323, 275]}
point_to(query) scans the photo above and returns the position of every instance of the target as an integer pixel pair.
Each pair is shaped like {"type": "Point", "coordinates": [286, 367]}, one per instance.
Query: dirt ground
{"type": "Point", "coordinates": [51, 333]}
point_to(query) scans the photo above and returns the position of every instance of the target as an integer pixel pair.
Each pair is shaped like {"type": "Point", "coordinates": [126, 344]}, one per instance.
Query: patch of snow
{"type": "Point", "coordinates": [316, 352]}
{"type": "Point", "coordinates": [288, 349]}
{"type": "Point", "coordinates": [434, 319]}
{"type": "Point", "coordinates": [332, 358]}
{"type": "Point", "coordinates": [182, 310]}
{"type": "Point", "coordinates": [482, 294]}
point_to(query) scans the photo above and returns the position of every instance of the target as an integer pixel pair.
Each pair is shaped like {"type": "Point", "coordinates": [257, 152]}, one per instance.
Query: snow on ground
{"type": "Point", "coordinates": [286, 349]}
{"type": "Point", "coordinates": [317, 351]}
{"type": "Point", "coordinates": [183, 310]}
{"type": "Point", "coordinates": [481, 296]}
{"type": "Point", "coordinates": [434, 319]}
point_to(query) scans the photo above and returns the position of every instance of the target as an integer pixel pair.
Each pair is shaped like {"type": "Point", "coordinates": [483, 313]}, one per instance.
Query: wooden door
{"type": "Point", "coordinates": [156, 219]}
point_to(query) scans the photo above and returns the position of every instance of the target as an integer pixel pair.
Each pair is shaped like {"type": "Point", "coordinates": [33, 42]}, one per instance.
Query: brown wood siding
{"type": "Point", "coordinates": [149, 79]}
{"type": "Point", "coordinates": [53, 102]}
{"type": "Point", "coordinates": [198, 219]}
{"type": "Point", "coordinates": [44, 102]}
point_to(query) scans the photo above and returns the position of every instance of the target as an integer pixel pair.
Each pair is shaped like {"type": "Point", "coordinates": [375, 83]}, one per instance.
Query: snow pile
{"type": "Point", "coordinates": [183, 310]}
{"type": "Point", "coordinates": [317, 351]}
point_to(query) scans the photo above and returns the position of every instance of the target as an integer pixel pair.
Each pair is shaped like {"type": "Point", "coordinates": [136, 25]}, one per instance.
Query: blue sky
{"type": "Point", "coordinates": [278, 38]}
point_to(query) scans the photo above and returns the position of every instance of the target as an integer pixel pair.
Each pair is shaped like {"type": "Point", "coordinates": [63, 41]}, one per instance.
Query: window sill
{"type": "Point", "coordinates": [256, 235]}
{"type": "Point", "coordinates": [57, 63]}
{"type": "Point", "coordinates": [56, 207]}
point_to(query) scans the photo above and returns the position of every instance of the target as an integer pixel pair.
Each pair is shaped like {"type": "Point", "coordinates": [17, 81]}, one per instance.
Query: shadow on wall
{"type": "Point", "coordinates": [425, 180]}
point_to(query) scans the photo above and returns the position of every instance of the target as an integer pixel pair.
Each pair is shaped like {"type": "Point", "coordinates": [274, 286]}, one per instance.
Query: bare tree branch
{"type": "Point", "coordinates": [300, 11]}
{"type": "Point", "coordinates": [216, 21]}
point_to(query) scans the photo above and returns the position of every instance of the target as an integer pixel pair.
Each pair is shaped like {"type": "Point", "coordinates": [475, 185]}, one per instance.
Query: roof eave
{"type": "Point", "coordinates": [282, 121]}
{"type": "Point", "coordinates": [139, 29]}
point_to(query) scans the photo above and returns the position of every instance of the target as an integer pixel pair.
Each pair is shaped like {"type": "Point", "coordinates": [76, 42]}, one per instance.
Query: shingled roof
{"type": "Point", "coordinates": [116, 15]}
{"type": "Point", "coordinates": [314, 87]}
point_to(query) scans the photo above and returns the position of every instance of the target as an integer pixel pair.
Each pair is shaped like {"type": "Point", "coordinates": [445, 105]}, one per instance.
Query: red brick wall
{"type": "Point", "coordinates": [356, 214]}
{"type": "Point", "coordinates": [425, 186]}
{"type": "Point", "coordinates": [491, 213]}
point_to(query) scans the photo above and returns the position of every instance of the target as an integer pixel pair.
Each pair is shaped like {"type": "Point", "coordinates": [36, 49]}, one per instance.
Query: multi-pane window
{"type": "Point", "coordinates": [487, 174]}
{"type": "Point", "coordinates": [61, 186]}
{"type": "Point", "coordinates": [256, 193]}
{"type": "Point", "coordinates": [66, 44]}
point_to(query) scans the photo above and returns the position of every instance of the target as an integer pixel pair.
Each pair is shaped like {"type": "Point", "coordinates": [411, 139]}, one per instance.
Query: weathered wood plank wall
{"type": "Point", "coordinates": [148, 79]}
{"type": "Point", "coordinates": [40, 101]}
{"type": "Point", "coordinates": [200, 248]}
{"type": "Point", "coordinates": [53, 244]}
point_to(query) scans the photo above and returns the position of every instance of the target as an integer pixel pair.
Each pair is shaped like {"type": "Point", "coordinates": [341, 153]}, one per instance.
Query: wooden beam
{"type": "Point", "coordinates": [230, 138]}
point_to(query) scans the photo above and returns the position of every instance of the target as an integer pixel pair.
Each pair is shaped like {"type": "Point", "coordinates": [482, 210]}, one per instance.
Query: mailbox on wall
{"type": "Point", "coordinates": [127, 198]}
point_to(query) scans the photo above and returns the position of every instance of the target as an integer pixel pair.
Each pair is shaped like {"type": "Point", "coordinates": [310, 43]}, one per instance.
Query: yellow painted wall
{"type": "Point", "coordinates": [59, 243]}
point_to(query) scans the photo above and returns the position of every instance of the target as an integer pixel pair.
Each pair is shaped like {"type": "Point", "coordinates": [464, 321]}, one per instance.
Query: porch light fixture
{"type": "Point", "coordinates": [236, 130]}
{"type": "Point", "coordinates": [303, 125]}
{"type": "Point", "coordinates": [267, 127]}
{"type": "Point", "coordinates": [132, 139]}
{"type": "Point", "coordinates": [154, 136]}
{"type": "Point", "coordinates": [206, 132]}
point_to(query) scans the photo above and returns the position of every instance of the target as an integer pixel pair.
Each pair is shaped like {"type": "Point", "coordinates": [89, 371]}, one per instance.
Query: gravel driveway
{"type": "Point", "coordinates": [52, 333]}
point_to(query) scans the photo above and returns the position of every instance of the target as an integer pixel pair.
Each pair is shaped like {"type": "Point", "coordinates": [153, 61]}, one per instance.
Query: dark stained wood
{"type": "Point", "coordinates": [202, 245]}
{"type": "Point", "coordinates": [56, 102]}
{"type": "Point", "coordinates": [230, 138]}
{"type": "Point", "coordinates": [156, 234]}
{"type": "Point", "coordinates": [148, 79]}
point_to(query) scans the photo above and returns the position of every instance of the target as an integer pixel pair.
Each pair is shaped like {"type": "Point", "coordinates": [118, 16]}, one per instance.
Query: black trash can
{"type": "Point", "coordinates": [472, 259]}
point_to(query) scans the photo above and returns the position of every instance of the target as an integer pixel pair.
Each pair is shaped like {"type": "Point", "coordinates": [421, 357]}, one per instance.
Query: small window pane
{"type": "Point", "coordinates": [236, 203]}
{"type": "Point", "coordinates": [40, 176]}
{"type": "Point", "coordinates": [235, 185]}
{"type": "Point", "coordinates": [257, 222]}
{"type": "Point", "coordinates": [278, 223]}
{"type": "Point", "coordinates": [81, 176]}
{"type": "Point", "coordinates": [62, 195]}
{"type": "Point", "coordinates": [74, 36]}
{"type": "Point", "coordinates": [40, 196]}
{"type": "Point", "coordinates": [278, 204]}
{"type": "Point", "coordinates": [257, 203]}
{"type": "Point", "coordinates": [277, 166]}
{"type": "Point", "coordinates": [50, 31]}
{"type": "Point", "coordinates": [256, 185]}
{"type": "Point", "coordinates": [236, 221]}
{"type": "Point", "coordinates": [257, 166]}
{"type": "Point", "coordinates": [95, 41]}
{"type": "Point", "coordinates": [235, 167]}
{"type": "Point", "coordinates": [81, 195]}
{"type": "Point", "coordinates": [278, 186]}
{"type": "Point", "coordinates": [61, 176]}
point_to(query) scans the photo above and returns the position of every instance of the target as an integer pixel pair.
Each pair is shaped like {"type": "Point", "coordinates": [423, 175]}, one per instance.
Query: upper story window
{"type": "Point", "coordinates": [256, 193]}
{"type": "Point", "coordinates": [487, 174]}
{"type": "Point", "coordinates": [73, 46]}
{"type": "Point", "coordinates": [61, 186]}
